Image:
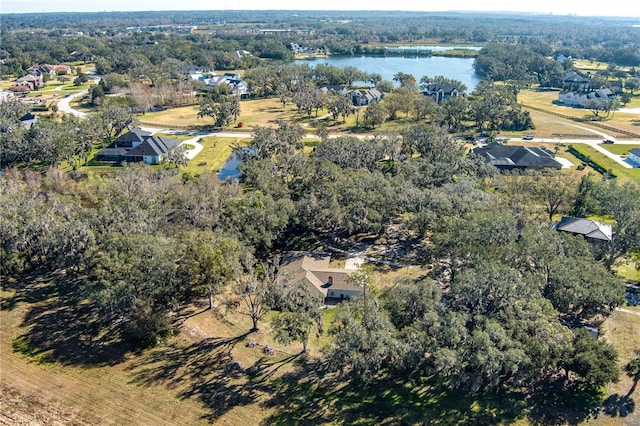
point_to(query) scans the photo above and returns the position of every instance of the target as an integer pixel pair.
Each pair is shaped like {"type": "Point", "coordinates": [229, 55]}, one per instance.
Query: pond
{"type": "Point", "coordinates": [460, 69]}
{"type": "Point", "coordinates": [229, 169]}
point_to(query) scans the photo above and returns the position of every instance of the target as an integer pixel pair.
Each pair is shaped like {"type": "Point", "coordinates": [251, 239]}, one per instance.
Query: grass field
{"type": "Point", "coordinates": [545, 99]}
{"type": "Point", "coordinates": [212, 371]}
{"type": "Point", "coordinates": [257, 112]}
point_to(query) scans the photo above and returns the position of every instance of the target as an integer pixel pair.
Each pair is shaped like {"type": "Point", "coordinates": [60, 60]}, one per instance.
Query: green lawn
{"type": "Point", "coordinates": [216, 151]}
{"type": "Point", "coordinates": [623, 173]}
{"type": "Point", "coordinates": [177, 136]}
{"type": "Point", "coordinates": [619, 149]}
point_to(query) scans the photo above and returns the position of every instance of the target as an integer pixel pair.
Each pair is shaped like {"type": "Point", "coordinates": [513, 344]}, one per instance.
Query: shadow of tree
{"type": "Point", "coordinates": [618, 405]}
{"type": "Point", "coordinates": [310, 396]}
{"type": "Point", "coordinates": [61, 326]}
{"type": "Point", "coordinates": [207, 370]}
{"type": "Point", "coordinates": [556, 404]}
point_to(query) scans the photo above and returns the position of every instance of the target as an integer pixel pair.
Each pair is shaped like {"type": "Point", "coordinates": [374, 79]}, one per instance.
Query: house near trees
{"type": "Point", "coordinates": [28, 120]}
{"type": "Point", "coordinates": [313, 270]}
{"type": "Point", "coordinates": [507, 158]}
{"type": "Point", "coordinates": [234, 82]}
{"type": "Point", "coordinates": [364, 97]}
{"type": "Point", "coordinates": [440, 92]}
{"type": "Point", "coordinates": [578, 99]}
{"type": "Point", "coordinates": [137, 146]}
{"type": "Point", "coordinates": [593, 231]}
{"type": "Point", "coordinates": [27, 83]}
{"type": "Point", "coordinates": [575, 81]}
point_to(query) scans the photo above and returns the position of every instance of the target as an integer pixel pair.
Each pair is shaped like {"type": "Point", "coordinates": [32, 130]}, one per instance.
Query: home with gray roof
{"type": "Point", "coordinates": [578, 99]}
{"type": "Point", "coordinates": [363, 97]}
{"type": "Point", "coordinates": [312, 269]}
{"type": "Point", "coordinates": [137, 146]}
{"type": "Point", "coordinates": [28, 120]}
{"type": "Point", "coordinates": [508, 157]}
{"type": "Point", "coordinates": [593, 231]}
{"type": "Point", "coordinates": [575, 81]}
{"type": "Point", "coordinates": [440, 92]}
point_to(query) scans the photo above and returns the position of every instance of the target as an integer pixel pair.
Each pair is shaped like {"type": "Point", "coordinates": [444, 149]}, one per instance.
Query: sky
{"type": "Point", "coordinates": [625, 8]}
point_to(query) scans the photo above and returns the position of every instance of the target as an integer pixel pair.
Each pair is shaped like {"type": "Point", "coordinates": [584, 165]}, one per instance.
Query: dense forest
{"type": "Point", "coordinates": [125, 41]}
{"type": "Point", "coordinates": [503, 302]}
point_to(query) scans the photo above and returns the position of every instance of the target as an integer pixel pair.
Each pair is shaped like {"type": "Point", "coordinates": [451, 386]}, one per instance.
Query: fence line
{"type": "Point", "coordinates": [580, 120]}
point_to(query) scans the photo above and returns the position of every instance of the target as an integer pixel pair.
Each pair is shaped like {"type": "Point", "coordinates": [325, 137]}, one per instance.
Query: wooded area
{"type": "Point", "coordinates": [500, 306]}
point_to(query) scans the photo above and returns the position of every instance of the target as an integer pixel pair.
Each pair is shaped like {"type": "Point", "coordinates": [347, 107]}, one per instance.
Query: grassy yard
{"type": "Point", "coordinates": [619, 149]}
{"type": "Point", "coordinates": [216, 151]}
{"type": "Point", "coordinates": [622, 330]}
{"type": "Point", "coordinates": [622, 173]}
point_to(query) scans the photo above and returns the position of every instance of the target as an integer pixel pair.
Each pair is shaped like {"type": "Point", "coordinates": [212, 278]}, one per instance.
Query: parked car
{"type": "Point", "coordinates": [608, 141]}
{"type": "Point", "coordinates": [528, 137]}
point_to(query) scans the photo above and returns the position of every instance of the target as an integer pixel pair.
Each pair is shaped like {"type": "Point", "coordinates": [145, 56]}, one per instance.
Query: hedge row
{"type": "Point", "coordinates": [587, 159]}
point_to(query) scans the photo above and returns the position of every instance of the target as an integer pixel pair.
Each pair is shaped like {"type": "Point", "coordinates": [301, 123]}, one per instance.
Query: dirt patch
{"type": "Point", "coordinates": [18, 408]}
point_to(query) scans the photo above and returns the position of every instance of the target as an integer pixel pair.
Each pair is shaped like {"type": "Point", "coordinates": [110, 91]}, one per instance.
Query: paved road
{"type": "Point", "coordinates": [63, 106]}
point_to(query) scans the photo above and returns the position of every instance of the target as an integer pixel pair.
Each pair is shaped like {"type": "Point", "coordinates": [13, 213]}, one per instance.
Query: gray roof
{"type": "Point", "coordinates": [589, 228]}
{"type": "Point", "coordinates": [509, 157]}
{"type": "Point", "coordinates": [127, 140]}
{"type": "Point", "coordinates": [313, 269]}
{"type": "Point", "coordinates": [154, 146]}
{"type": "Point", "coordinates": [435, 87]}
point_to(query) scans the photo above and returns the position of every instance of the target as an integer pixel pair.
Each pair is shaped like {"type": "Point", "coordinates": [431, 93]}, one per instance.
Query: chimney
{"type": "Point", "coordinates": [330, 281]}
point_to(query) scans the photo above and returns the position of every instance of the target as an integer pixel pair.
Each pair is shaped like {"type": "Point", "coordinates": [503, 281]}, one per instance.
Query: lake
{"type": "Point", "coordinates": [456, 68]}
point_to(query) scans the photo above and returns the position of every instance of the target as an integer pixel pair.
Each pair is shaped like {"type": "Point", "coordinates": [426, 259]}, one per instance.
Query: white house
{"type": "Point", "coordinates": [634, 157]}
{"type": "Point", "coordinates": [578, 99]}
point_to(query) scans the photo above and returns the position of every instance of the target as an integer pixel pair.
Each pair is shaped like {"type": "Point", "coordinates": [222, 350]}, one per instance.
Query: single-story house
{"type": "Point", "coordinates": [363, 97]}
{"type": "Point", "coordinates": [575, 81]}
{"type": "Point", "coordinates": [137, 146]}
{"type": "Point", "coordinates": [312, 269]}
{"type": "Point", "coordinates": [152, 150]}
{"type": "Point", "coordinates": [578, 99]}
{"type": "Point", "coordinates": [440, 92]}
{"type": "Point", "coordinates": [512, 157]}
{"type": "Point", "coordinates": [634, 157]}
{"type": "Point", "coordinates": [593, 231]}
